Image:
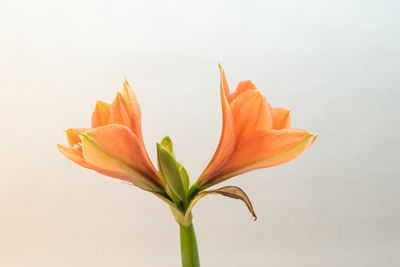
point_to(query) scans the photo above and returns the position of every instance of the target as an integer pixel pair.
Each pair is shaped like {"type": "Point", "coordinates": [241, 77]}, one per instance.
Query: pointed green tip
{"type": "Point", "coordinates": [161, 147]}
{"type": "Point", "coordinates": [219, 66]}
{"type": "Point", "coordinates": [167, 138]}
{"type": "Point", "coordinates": [167, 144]}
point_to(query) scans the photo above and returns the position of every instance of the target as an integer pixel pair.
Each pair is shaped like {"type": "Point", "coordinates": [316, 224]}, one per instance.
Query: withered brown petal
{"type": "Point", "coordinates": [228, 191]}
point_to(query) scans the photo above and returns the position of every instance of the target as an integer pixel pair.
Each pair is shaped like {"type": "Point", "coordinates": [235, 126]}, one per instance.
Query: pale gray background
{"type": "Point", "coordinates": [335, 63]}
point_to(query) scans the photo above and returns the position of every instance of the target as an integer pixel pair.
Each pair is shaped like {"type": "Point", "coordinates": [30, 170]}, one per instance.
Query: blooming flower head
{"type": "Point", "coordinates": [114, 145]}
{"type": "Point", "coordinates": [254, 135]}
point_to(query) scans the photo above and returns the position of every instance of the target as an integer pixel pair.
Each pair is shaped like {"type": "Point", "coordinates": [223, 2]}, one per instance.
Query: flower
{"type": "Point", "coordinates": [254, 135]}
{"type": "Point", "coordinates": [114, 145]}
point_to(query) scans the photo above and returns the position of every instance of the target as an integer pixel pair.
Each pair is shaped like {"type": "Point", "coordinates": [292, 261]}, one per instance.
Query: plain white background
{"type": "Point", "coordinates": [334, 63]}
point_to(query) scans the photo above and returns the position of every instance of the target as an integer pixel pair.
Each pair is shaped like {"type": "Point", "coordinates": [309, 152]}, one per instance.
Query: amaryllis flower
{"type": "Point", "coordinates": [254, 135]}
{"type": "Point", "coordinates": [114, 145]}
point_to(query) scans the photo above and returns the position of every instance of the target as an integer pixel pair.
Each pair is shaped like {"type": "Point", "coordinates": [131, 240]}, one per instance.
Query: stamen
{"type": "Point", "coordinates": [77, 146]}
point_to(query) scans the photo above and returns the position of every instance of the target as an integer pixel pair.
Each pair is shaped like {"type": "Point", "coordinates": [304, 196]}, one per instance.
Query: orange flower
{"type": "Point", "coordinates": [254, 135]}
{"type": "Point", "coordinates": [114, 145]}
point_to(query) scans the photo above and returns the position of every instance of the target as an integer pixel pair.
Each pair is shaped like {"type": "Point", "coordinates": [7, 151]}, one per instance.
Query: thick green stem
{"type": "Point", "coordinates": [189, 251]}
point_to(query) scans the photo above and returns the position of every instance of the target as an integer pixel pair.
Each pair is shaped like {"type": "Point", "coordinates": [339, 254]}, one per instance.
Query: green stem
{"type": "Point", "coordinates": [189, 251]}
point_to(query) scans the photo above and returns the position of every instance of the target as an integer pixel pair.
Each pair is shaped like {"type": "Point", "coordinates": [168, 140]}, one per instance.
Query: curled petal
{"type": "Point", "coordinates": [227, 141]}
{"type": "Point", "coordinates": [101, 114]}
{"type": "Point", "coordinates": [251, 113]}
{"type": "Point", "coordinates": [266, 149]}
{"type": "Point", "coordinates": [73, 154]}
{"type": "Point", "coordinates": [116, 149]}
{"type": "Point", "coordinates": [228, 191]}
{"type": "Point", "coordinates": [280, 118]}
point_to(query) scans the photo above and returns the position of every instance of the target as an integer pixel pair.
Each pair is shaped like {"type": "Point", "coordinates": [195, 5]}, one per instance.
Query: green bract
{"type": "Point", "coordinates": [173, 173]}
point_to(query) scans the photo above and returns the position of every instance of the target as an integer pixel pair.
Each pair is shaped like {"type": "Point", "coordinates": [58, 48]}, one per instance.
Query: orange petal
{"type": "Point", "coordinates": [280, 118]}
{"type": "Point", "coordinates": [227, 141]}
{"type": "Point", "coordinates": [73, 135]}
{"type": "Point", "coordinates": [241, 88]}
{"type": "Point", "coordinates": [125, 176]}
{"type": "Point", "coordinates": [134, 109]}
{"type": "Point", "coordinates": [115, 148]}
{"type": "Point", "coordinates": [76, 156]}
{"type": "Point", "coordinates": [101, 114]}
{"type": "Point", "coordinates": [266, 149]}
{"type": "Point", "coordinates": [125, 110]}
{"type": "Point", "coordinates": [120, 113]}
{"type": "Point", "coordinates": [251, 113]}
{"type": "Point", "coordinates": [73, 154]}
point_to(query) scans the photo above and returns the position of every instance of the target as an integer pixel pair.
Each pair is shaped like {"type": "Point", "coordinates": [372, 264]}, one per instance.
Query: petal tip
{"type": "Point", "coordinates": [312, 137]}
{"type": "Point", "coordinates": [98, 103]}
{"type": "Point", "coordinates": [126, 83]}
